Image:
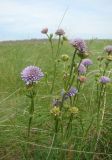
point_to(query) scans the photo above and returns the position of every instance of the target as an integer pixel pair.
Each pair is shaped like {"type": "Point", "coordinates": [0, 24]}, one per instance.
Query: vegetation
{"type": "Point", "coordinates": [81, 134]}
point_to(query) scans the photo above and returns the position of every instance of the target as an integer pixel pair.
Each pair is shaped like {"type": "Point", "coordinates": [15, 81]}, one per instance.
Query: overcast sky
{"type": "Point", "coordinates": [24, 19]}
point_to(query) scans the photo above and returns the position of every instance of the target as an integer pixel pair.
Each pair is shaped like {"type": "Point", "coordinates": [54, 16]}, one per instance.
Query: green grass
{"type": "Point", "coordinates": [14, 56]}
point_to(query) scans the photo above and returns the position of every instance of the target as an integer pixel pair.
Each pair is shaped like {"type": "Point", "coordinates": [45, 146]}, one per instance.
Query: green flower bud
{"type": "Point", "coordinates": [65, 57]}
{"type": "Point", "coordinates": [109, 58]}
{"type": "Point", "coordinates": [84, 55]}
{"type": "Point", "coordinates": [55, 111]}
{"type": "Point", "coordinates": [73, 110]}
{"type": "Point", "coordinates": [100, 58]}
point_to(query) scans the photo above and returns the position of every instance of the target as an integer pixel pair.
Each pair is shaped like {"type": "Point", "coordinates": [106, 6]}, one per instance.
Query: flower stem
{"type": "Point", "coordinates": [77, 95]}
{"type": "Point", "coordinates": [101, 121]}
{"type": "Point", "coordinates": [106, 66]}
{"type": "Point", "coordinates": [58, 49]}
{"type": "Point", "coordinates": [55, 66]}
{"type": "Point", "coordinates": [51, 44]}
{"type": "Point", "coordinates": [69, 126]}
{"type": "Point", "coordinates": [99, 104]}
{"type": "Point", "coordinates": [71, 69]}
{"type": "Point", "coordinates": [54, 76]}
{"type": "Point", "coordinates": [31, 111]}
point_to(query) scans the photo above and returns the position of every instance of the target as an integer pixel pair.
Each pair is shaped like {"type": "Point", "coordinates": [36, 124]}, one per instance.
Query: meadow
{"type": "Point", "coordinates": [14, 104]}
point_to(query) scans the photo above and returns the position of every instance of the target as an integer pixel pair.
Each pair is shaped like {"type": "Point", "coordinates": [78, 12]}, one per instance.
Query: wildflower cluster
{"type": "Point", "coordinates": [75, 72]}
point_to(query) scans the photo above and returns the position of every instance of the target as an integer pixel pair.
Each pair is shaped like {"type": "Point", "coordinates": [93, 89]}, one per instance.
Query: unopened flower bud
{"type": "Point", "coordinates": [109, 57]}
{"type": "Point", "coordinates": [82, 79]}
{"type": "Point", "coordinates": [55, 111]}
{"type": "Point", "coordinates": [73, 110]}
{"type": "Point", "coordinates": [85, 55]}
{"type": "Point", "coordinates": [44, 30]}
{"type": "Point", "coordinates": [65, 57]}
{"type": "Point", "coordinates": [100, 58]}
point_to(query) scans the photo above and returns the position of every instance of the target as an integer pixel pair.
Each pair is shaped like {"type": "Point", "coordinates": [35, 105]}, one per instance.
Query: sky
{"type": "Point", "coordinates": [24, 19]}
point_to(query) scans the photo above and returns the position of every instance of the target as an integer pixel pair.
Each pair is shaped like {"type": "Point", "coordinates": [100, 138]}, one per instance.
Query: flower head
{"type": "Point", "coordinates": [82, 79]}
{"type": "Point", "coordinates": [79, 44]}
{"type": "Point", "coordinates": [108, 49]}
{"type": "Point", "coordinates": [100, 58]}
{"type": "Point", "coordinates": [73, 110]}
{"type": "Point", "coordinates": [72, 92]}
{"type": "Point", "coordinates": [60, 32]}
{"type": "Point", "coordinates": [82, 69]}
{"type": "Point", "coordinates": [44, 30]}
{"type": "Point", "coordinates": [55, 111]}
{"type": "Point", "coordinates": [65, 57]}
{"type": "Point", "coordinates": [104, 80]}
{"type": "Point", "coordinates": [86, 62]}
{"type": "Point", "coordinates": [31, 74]}
{"type": "Point", "coordinates": [109, 57]}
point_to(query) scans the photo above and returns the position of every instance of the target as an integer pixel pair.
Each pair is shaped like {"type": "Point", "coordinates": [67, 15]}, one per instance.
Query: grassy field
{"type": "Point", "coordinates": [14, 56]}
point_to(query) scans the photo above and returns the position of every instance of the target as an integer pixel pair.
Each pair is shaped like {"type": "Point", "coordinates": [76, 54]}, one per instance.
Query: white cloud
{"type": "Point", "coordinates": [26, 17]}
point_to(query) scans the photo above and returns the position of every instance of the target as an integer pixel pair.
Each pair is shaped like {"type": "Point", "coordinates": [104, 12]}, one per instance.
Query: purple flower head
{"type": "Point", "coordinates": [72, 92]}
{"type": "Point", "coordinates": [104, 80]}
{"type": "Point", "coordinates": [108, 49]}
{"type": "Point", "coordinates": [60, 32]}
{"type": "Point", "coordinates": [56, 103]}
{"type": "Point", "coordinates": [87, 62]}
{"type": "Point", "coordinates": [31, 74]}
{"type": "Point", "coordinates": [82, 69]}
{"type": "Point", "coordinates": [44, 30]}
{"type": "Point", "coordinates": [79, 44]}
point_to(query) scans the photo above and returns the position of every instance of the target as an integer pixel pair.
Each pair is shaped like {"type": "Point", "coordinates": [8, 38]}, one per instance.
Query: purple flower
{"type": "Point", "coordinates": [104, 80]}
{"type": "Point", "coordinates": [31, 74]}
{"type": "Point", "coordinates": [108, 49]}
{"type": "Point", "coordinates": [60, 32]}
{"type": "Point", "coordinates": [56, 102]}
{"type": "Point", "coordinates": [44, 30]}
{"type": "Point", "coordinates": [87, 62]}
{"type": "Point", "coordinates": [79, 44]}
{"type": "Point", "coordinates": [72, 92]}
{"type": "Point", "coordinates": [82, 69]}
